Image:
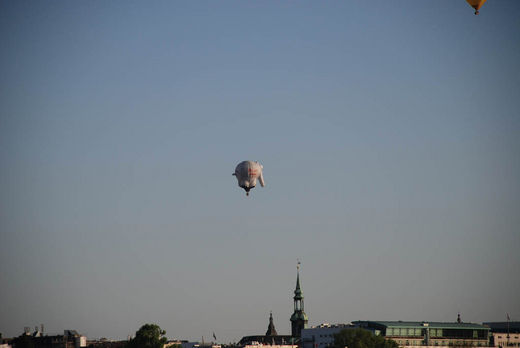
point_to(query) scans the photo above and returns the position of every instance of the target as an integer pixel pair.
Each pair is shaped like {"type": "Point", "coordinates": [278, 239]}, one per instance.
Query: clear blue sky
{"type": "Point", "coordinates": [389, 132]}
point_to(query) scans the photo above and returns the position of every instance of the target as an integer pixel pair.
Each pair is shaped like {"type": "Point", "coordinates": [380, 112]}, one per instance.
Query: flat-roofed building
{"type": "Point", "coordinates": [429, 334]}
{"type": "Point", "coordinates": [322, 336]}
{"type": "Point", "coordinates": [504, 334]}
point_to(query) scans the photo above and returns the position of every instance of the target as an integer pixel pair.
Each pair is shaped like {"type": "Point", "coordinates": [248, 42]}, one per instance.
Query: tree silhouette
{"type": "Point", "coordinates": [148, 336]}
{"type": "Point", "coordinates": [361, 338]}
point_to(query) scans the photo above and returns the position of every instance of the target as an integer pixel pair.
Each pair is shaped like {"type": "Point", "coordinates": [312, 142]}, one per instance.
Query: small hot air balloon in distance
{"type": "Point", "coordinates": [247, 172]}
{"type": "Point", "coordinates": [476, 4]}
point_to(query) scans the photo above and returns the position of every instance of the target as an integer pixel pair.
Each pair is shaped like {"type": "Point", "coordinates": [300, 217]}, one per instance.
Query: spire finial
{"type": "Point", "coordinates": [298, 291]}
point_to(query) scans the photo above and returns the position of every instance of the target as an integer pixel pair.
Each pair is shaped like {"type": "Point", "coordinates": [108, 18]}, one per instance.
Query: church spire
{"type": "Point", "coordinates": [298, 319]}
{"type": "Point", "coordinates": [271, 331]}
{"type": "Point", "coordinates": [298, 291]}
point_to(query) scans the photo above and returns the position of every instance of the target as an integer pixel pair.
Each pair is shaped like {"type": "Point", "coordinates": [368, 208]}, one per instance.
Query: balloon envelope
{"type": "Point", "coordinates": [247, 172]}
{"type": "Point", "coordinates": [476, 4]}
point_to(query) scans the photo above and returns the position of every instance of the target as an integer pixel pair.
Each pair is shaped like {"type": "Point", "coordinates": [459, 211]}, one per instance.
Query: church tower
{"type": "Point", "coordinates": [271, 331]}
{"type": "Point", "coordinates": [298, 319]}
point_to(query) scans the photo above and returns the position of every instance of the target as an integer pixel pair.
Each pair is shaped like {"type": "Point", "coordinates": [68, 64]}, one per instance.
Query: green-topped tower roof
{"type": "Point", "coordinates": [298, 319]}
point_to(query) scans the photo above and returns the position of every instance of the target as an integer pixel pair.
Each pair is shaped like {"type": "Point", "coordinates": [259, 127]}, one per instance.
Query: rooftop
{"type": "Point", "coordinates": [423, 324]}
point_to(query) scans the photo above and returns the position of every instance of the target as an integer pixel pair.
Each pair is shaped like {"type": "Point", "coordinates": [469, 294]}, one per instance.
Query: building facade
{"type": "Point", "coordinates": [429, 334]}
{"type": "Point", "coordinates": [504, 334]}
{"type": "Point", "coordinates": [322, 336]}
{"type": "Point", "coordinates": [260, 345]}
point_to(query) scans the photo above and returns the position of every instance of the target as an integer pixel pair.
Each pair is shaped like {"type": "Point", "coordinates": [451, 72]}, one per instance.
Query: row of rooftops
{"type": "Point", "coordinates": [418, 324]}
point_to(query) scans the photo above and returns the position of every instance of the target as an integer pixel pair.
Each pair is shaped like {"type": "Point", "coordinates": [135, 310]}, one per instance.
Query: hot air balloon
{"type": "Point", "coordinates": [247, 172]}
{"type": "Point", "coordinates": [476, 4]}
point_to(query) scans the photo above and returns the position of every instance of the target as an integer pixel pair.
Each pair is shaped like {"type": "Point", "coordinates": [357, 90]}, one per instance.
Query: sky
{"type": "Point", "coordinates": [389, 132]}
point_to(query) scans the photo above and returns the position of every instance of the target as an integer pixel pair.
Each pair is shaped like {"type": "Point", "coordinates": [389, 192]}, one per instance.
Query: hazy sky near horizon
{"type": "Point", "coordinates": [389, 132]}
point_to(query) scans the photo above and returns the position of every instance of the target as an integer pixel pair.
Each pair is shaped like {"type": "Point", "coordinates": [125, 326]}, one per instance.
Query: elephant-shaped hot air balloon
{"type": "Point", "coordinates": [476, 4]}
{"type": "Point", "coordinates": [247, 172]}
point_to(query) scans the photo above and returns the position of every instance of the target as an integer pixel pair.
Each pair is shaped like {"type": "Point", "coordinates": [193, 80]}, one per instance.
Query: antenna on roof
{"type": "Point", "coordinates": [507, 316]}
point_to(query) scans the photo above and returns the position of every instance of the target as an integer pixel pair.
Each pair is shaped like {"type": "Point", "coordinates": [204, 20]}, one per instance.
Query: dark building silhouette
{"type": "Point", "coordinates": [69, 339]}
{"type": "Point", "coordinates": [271, 331]}
{"type": "Point", "coordinates": [298, 322]}
{"type": "Point", "coordinates": [271, 337]}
